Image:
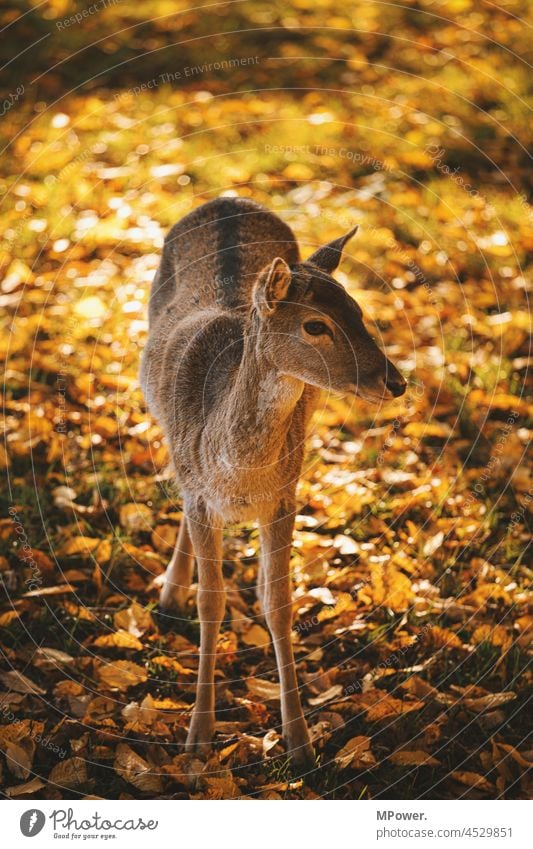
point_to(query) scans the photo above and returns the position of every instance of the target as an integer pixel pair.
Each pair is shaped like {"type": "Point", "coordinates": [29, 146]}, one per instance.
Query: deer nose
{"type": "Point", "coordinates": [396, 385]}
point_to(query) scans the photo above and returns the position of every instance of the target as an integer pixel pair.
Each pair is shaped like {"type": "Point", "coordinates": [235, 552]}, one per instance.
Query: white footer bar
{"type": "Point", "coordinates": [315, 824]}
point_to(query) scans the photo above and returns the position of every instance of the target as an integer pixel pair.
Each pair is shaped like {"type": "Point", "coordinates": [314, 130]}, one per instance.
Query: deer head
{"type": "Point", "coordinates": [311, 329]}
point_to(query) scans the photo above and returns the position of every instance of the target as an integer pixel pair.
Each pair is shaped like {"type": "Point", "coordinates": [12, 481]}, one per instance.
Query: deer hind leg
{"type": "Point", "coordinates": [260, 587]}
{"type": "Point", "coordinates": [276, 538]}
{"type": "Point", "coordinates": [207, 544]}
{"type": "Point", "coordinates": [179, 572]}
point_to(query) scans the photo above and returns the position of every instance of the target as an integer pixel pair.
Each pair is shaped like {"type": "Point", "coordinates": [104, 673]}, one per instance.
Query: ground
{"type": "Point", "coordinates": [411, 622]}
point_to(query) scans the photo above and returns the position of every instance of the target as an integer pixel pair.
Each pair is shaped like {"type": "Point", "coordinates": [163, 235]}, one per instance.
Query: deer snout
{"type": "Point", "coordinates": [393, 380]}
{"type": "Point", "coordinates": [397, 387]}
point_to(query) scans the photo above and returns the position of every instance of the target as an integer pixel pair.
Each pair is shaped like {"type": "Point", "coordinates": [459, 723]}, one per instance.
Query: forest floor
{"type": "Point", "coordinates": [411, 617]}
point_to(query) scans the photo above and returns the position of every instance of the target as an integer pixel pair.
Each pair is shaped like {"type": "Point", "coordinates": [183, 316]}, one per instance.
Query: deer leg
{"type": "Point", "coordinates": [179, 572]}
{"type": "Point", "coordinates": [207, 544]}
{"type": "Point", "coordinates": [276, 538]}
{"type": "Point", "coordinates": [260, 587]}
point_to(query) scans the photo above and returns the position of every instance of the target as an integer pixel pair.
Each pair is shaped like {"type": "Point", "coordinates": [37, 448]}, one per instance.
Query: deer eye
{"type": "Point", "coordinates": [316, 328]}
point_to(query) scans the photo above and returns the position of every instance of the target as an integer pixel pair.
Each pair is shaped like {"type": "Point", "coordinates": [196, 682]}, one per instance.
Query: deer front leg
{"type": "Point", "coordinates": [207, 544]}
{"type": "Point", "coordinates": [276, 538]}
{"type": "Point", "coordinates": [178, 576]}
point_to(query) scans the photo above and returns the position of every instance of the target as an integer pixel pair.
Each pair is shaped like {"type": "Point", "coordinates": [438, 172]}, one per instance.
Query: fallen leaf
{"type": "Point", "coordinates": [135, 770]}
{"type": "Point", "coordinates": [489, 702]}
{"type": "Point", "coordinates": [356, 753]}
{"type": "Point", "coordinates": [121, 675]}
{"type": "Point", "coordinates": [472, 779]}
{"type": "Point", "coordinates": [266, 690]}
{"type": "Point", "coordinates": [69, 773]}
{"type": "Point", "coordinates": [256, 636]}
{"type": "Point", "coordinates": [119, 640]}
{"type": "Point", "coordinates": [136, 517]}
{"type": "Point", "coordinates": [406, 757]}
{"type": "Point", "coordinates": [20, 683]}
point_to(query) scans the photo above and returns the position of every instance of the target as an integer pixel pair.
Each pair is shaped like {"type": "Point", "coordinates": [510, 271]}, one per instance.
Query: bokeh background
{"type": "Point", "coordinates": [412, 626]}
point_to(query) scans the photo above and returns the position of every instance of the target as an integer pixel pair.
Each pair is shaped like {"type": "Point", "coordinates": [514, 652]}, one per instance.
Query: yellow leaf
{"type": "Point", "coordinates": [105, 426]}
{"type": "Point", "coordinates": [121, 674]}
{"type": "Point", "coordinates": [495, 634]}
{"type": "Point", "coordinates": [442, 638]}
{"type": "Point", "coordinates": [256, 636]}
{"type": "Point", "coordinates": [136, 517]}
{"type": "Point", "coordinates": [79, 546]}
{"type": "Point", "coordinates": [134, 619]}
{"type": "Point", "coordinates": [120, 640]}
{"type": "Point", "coordinates": [390, 587]}
{"type": "Point", "coordinates": [164, 538]}
{"type": "Point", "coordinates": [7, 618]}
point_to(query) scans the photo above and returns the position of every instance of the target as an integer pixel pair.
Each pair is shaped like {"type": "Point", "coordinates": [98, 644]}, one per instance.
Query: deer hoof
{"type": "Point", "coordinates": [200, 737]}
{"type": "Point", "coordinates": [173, 600]}
{"type": "Point", "coordinates": [303, 756]}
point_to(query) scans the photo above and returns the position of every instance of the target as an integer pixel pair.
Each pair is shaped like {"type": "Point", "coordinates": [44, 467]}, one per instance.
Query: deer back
{"type": "Point", "coordinates": [212, 256]}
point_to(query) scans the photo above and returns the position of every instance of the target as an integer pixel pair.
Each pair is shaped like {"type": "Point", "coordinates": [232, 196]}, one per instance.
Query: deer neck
{"type": "Point", "coordinates": [260, 406]}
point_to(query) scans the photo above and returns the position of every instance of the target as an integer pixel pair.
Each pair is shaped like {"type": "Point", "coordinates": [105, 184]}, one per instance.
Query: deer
{"type": "Point", "coordinates": [243, 336]}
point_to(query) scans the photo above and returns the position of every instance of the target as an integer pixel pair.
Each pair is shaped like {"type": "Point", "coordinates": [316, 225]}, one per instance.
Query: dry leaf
{"type": "Point", "coordinates": [256, 636]}
{"type": "Point", "coordinates": [26, 789]}
{"type": "Point", "coordinates": [405, 757]}
{"type": "Point", "coordinates": [119, 640]}
{"type": "Point", "coordinates": [20, 683]}
{"type": "Point", "coordinates": [69, 773]}
{"type": "Point", "coordinates": [121, 674]}
{"type": "Point", "coordinates": [135, 619]}
{"type": "Point", "coordinates": [472, 779]}
{"type": "Point", "coordinates": [356, 753]}
{"type": "Point", "coordinates": [489, 702]}
{"type": "Point", "coordinates": [19, 757]}
{"type": "Point", "coordinates": [266, 690]}
{"type": "Point", "coordinates": [79, 547]}
{"type": "Point", "coordinates": [135, 770]}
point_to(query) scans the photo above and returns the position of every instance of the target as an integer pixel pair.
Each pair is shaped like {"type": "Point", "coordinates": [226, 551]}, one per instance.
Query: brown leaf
{"type": "Point", "coordinates": [356, 753]}
{"type": "Point", "coordinates": [489, 702]}
{"type": "Point", "coordinates": [473, 779]}
{"type": "Point", "coordinates": [221, 788]}
{"type": "Point", "coordinates": [26, 789]}
{"type": "Point", "coordinates": [135, 770]}
{"type": "Point", "coordinates": [413, 758]}
{"type": "Point", "coordinates": [19, 757]}
{"type": "Point", "coordinates": [18, 682]}
{"type": "Point", "coordinates": [69, 773]}
{"type": "Point", "coordinates": [380, 705]}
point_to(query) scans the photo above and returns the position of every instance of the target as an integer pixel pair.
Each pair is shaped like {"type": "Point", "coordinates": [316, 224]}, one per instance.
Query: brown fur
{"type": "Point", "coordinates": [233, 376]}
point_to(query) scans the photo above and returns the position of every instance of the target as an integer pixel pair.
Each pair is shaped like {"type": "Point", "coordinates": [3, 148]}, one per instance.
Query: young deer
{"type": "Point", "coordinates": [243, 336]}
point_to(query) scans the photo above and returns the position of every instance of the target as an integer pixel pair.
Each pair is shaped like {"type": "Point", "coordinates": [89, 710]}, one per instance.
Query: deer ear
{"type": "Point", "coordinates": [272, 285]}
{"type": "Point", "coordinates": [328, 257]}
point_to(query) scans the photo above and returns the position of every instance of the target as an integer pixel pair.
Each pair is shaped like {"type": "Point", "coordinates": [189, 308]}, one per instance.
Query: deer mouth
{"type": "Point", "coordinates": [371, 394]}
